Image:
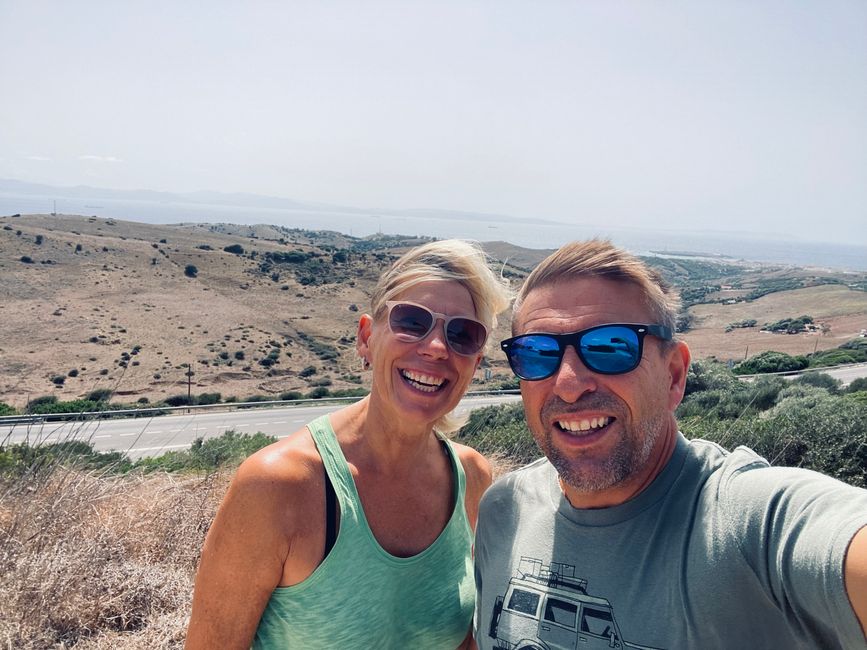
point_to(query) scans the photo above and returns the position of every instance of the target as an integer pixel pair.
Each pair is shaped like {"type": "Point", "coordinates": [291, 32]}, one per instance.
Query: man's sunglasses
{"type": "Point", "coordinates": [611, 349]}
{"type": "Point", "coordinates": [411, 322]}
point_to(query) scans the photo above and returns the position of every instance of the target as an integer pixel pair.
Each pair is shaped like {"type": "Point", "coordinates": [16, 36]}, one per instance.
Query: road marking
{"type": "Point", "coordinates": [107, 435]}
{"type": "Point", "coordinates": [159, 448]}
{"type": "Point", "coordinates": [127, 435]}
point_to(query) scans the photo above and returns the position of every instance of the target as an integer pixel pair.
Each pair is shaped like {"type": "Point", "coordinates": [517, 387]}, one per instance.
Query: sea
{"type": "Point", "coordinates": [528, 233]}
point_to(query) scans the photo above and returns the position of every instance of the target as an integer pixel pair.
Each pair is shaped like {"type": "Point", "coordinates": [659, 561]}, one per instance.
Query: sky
{"type": "Point", "coordinates": [703, 115]}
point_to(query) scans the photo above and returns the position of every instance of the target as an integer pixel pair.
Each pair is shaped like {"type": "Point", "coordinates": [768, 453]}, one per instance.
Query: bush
{"type": "Point", "coordinates": [255, 399]}
{"type": "Point", "coordinates": [191, 271]}
{"type": "Point", "coordinates": [208, 398]}
{"type": "Point", "coordinates": [291, 396]}
{"type": "Point", "coordinates": [318, 393]}
{"type": "Point", "coordinates": [821, 380]}
{"type": "Point", "coordinates": [789, 325]}
{"type": "Point", "coordinates": [306, 372]}
{"type": "Point", "coordinates": [239, 355]}
{"type": "Point", "coordinates": [818, 431]}
{"type": "Point", "coordinates": [180, 400]}
{"type": "Point", "coordinates": [707, 375]}
{"type": "Point", "coordinates": [770, 361]}
{"type": "Point", "coordinates": [500, 432]}
{"type": "Point", "coordinates": [857, 385]}
{"type": "Point", "coordinates": [59, 380]}
{"type": "Point", "coordinates": [99, 395]}
{"type": "Point", "coordinates": [27, 259]}
{"type": "Point", "coordinates": [237, 249]}
{"type": "Point", "coordinates": [5, 409]}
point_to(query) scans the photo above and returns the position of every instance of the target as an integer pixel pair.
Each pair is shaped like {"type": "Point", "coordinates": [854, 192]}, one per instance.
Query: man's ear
{"type": "Point", "coordinates": [362, 338]}
{"type": "Point", "coordinates": [678, 367]}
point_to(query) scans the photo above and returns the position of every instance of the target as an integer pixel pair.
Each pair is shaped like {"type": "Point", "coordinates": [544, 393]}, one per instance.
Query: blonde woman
{"type": "Point", "coordinates": [356, 531]}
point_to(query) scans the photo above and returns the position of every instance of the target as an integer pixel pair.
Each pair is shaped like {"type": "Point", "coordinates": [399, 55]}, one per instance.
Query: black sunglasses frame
{"type": "Point", "coordinates": [436, 316]}
{"type": "Point", "coordinates": [574, 339]}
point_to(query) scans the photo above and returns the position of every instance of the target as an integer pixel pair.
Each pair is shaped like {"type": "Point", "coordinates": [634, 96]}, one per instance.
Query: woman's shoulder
{"type": "Point", "coordinates": [476, 468]}
{"type": "Point", "coordinates": [287, 468]}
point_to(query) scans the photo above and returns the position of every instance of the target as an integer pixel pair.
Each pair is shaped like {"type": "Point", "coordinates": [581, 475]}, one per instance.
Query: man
{"type": "Point", "coordinates": [627, 535]}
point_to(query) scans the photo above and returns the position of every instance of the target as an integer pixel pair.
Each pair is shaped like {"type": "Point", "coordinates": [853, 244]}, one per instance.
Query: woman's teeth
{"type": "Point", "coordinates": [424, 383]}
{"type": "Point", "coordinates": [583, 425]}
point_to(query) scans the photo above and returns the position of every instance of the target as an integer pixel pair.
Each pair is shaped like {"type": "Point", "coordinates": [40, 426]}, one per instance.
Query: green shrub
{"type": "Point", "coordinates": [857, 385]}
{"type": "Point", "coordinates": [5, 409]}
{"type": "Point", "coordinates": [290, 396]}
{"type": "Point", "coordinates": [208, 398]}
{"type": "Point", "coordinates": [237, 249]}
{"type": "Point", "coordinates": [255, 399]}
{"type": "Point", "coordinates": [349, 392]}
{"type": "Point", "coordinates": [500, 431]}
{"type": "Point", "coordinates": [770, 361]}
{"type": "Point", "coordinates": [191, 271]}
{"type": "Point", "coordinates": [819, 379]}
{"type": "Point", "coordinates": [180, 400]}
{"type": "Point", "coordinates": [789, 325]}
{"type": "Point", "coordinates": [705, 375]}
{"type": "Point", "coordinates": [306, 372]}
{"type": "Point", "coordinates": [99, 395]}
{"type": "Point", "coordinates": [821, 432]}
{"type": "Point", "coordinates": [318, 393]}
{"type": "Point", "coordinates": [59, 380]}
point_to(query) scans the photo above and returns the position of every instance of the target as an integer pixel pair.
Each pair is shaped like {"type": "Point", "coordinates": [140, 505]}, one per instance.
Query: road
{"type": "Point", "coordinates": [153, 436]}
{"type": "Point", "coordinates": [846, 374]}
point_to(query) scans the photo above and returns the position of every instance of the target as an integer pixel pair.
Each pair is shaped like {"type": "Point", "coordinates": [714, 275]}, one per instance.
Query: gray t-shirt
{"type": "Point", "coordinates": [720, 551]}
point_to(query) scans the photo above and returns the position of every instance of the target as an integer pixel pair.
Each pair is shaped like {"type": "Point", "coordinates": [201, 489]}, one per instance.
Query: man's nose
{"type": "Point", "coordinates": [573, 378]}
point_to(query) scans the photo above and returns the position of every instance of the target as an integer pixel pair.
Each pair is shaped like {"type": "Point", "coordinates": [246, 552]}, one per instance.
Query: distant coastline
{"type": "Point", "coordinates": [159, 208]}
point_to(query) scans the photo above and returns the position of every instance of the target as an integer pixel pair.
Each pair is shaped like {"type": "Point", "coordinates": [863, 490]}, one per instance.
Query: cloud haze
{"type": "Point", "coordinates": [667, 114]}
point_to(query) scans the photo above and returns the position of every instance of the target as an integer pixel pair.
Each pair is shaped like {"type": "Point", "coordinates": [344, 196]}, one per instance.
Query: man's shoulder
{"type": "Point", "coordinates": [743, 478]}
{"type": "Point", "coordinates": [520, 484]}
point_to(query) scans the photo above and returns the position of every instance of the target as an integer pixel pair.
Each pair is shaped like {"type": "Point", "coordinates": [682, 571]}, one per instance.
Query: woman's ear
{"type": "Point", "coordinates": [362, 338]}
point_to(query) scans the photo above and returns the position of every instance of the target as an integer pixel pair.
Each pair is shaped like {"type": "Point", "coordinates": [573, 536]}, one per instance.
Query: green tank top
{"type": "Point", "coordinates": [361, 596]}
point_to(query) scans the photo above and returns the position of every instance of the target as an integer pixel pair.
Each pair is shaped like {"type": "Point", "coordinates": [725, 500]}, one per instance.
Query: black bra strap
{"type": "Point", "coordinates": [330, 515]}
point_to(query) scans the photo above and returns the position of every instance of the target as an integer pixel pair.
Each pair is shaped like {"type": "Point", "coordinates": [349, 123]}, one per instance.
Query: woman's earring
{"type": "Point", "coordinates": [365, 363]}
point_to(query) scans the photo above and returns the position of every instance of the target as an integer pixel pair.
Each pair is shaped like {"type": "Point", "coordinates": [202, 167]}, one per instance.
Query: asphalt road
{"type": "Point", "coordinates": [152, 436]}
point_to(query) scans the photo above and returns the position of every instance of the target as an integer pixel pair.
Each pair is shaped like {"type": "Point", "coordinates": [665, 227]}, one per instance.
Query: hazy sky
{"type": "Point", "coordinates": [726, 114]}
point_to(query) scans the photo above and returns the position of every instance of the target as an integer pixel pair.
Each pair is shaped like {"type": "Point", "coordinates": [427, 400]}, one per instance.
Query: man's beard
{"type": "Point", "coordinates": [629, 455]}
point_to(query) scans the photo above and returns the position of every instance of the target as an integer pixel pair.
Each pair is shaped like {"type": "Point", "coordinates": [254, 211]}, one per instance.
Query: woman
{"type": "Point", "coordinates": [356, 531]}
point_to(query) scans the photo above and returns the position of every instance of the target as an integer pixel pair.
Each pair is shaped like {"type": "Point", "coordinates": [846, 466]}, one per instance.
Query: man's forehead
{"type": "Point", "coordinates": [584, 302]}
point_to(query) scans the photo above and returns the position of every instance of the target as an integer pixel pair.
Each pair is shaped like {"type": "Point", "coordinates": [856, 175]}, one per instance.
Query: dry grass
{"type": "Point", "coordinates": [99, 561]}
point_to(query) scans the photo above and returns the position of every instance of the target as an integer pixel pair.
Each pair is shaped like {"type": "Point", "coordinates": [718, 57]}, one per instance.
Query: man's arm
{"type": "Point", "coordinates": [855, 573]}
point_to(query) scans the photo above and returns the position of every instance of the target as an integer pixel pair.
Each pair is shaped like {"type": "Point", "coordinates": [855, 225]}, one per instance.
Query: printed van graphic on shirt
{"type": "Point", "coordinates": [546, 607]}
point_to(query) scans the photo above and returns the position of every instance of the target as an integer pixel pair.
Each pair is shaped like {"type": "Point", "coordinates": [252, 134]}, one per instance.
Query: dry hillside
{"type": "Point", "coordinates": [103, 303]}
{"type": "Point", "coordinates": [107, 304]}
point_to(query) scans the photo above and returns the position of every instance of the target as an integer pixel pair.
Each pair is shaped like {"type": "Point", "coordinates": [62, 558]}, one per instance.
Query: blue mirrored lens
{"type": "Point", "coordinates": [535, 356]}
{"type": "Point", "coordinates": [611, 349]}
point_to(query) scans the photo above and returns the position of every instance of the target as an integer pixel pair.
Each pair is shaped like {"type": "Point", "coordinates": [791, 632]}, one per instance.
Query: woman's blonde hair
{"type": "Point", "coordinates": [449, 259]}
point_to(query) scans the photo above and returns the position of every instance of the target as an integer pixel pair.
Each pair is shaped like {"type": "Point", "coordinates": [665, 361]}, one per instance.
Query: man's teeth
{"type": "Point", "coordinates": [422, 382]}
{"type": "Point", "coordinates": [583, 425]}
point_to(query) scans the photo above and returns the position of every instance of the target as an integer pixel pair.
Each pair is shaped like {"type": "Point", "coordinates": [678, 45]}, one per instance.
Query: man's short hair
{"type": "Point", "coordinates": [600, 258]}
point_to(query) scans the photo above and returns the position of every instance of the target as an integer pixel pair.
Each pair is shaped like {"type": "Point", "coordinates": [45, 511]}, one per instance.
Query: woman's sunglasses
{"type": "Point", "coordinates": [611, 349]}
{"type": "Point", "coordinates": [411, 322]}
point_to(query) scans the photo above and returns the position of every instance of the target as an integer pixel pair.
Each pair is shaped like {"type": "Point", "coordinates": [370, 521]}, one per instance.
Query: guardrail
{"type": "Point", "coordinates": [152, 411]}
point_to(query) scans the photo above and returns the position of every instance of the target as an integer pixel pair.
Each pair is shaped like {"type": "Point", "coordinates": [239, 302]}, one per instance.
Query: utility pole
{"type": "Point", "coordinates": [189, 384]}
